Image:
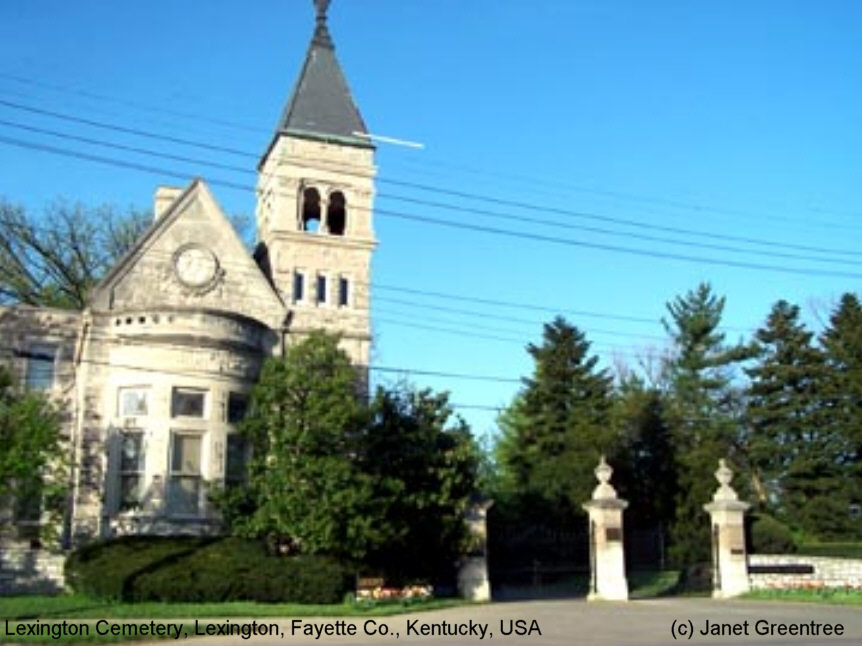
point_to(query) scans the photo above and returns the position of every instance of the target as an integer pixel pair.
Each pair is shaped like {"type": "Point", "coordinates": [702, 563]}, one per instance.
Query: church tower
{"type": "Point", "coordinates": [315, 195]}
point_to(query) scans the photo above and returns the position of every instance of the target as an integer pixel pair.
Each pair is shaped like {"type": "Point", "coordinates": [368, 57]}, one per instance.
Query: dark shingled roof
{"type": "Point", "coordinates": [320, 105]}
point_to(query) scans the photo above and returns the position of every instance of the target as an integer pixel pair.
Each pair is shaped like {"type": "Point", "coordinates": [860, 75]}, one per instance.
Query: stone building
{"type": "Point", "coordinates": [156, 371]}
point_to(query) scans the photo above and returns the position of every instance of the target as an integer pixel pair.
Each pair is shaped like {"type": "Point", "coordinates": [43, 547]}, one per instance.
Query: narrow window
{"type": "Point", "coordinates": [236, 406]}
{"type": "Point", "coordinates": [336, 214]}
{"type": "Point", "coordinates": [28, 504]}
{"type": "Point", "coordinates": [310, 210]}
{"type": "Point", "coordinates": [187, 402]}
{"type": "Point", "coordinates": [235, 457]}
{"type": "Point", "coordinates": [343, 291]}
{"type": "Point", "coordinates": [321, 289]}
{"type": "Point", "coordinates": [184, 487]}
{"type": "Point", "coordinates": [134, 402]}
{"type": "Point", "coordinates": [298, 286]}
{"type": "Point", "coordinates": [40, 366]}
{"type": "Point", "coordinates": [131, 469]}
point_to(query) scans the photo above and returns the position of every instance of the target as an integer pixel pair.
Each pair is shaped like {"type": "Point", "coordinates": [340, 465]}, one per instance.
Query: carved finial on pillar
{"type": "Point", "coordinates": [607, 553]}
{"type": "Point", "coordinates": [605, 490]}
{"type": "Point", "coordinates": [724, 475]}
{"type": "Point", "coordinates": [321, 32]}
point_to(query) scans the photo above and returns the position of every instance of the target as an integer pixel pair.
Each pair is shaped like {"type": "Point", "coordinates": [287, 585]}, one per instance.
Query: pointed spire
{"type": "Point", "coordinates": [320, 105]}
{"type": "Point", "coordinates": [321, 31]}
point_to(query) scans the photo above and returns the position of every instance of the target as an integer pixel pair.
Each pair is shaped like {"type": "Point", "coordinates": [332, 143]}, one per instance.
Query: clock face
{"type": "Point", "coordinates": [195, 265]}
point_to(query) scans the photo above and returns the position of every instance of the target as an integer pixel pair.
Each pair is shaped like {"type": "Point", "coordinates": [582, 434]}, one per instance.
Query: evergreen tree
{"type": "Point", "coordinates": [557, 427]}
{"type": "Point", "coordinates": [791, 446]}
{"type": "Point", "coordinates": [305, 492]}
{"type": "Point", "coordinates": [387, 484]}
{"type": "Point", "coordinates": [646, 472]}
{"type": "Point", "coordinates": [423, 465]}
{"type": "Point", "coordinates": [703, 411]}
{"type": "Point", "coordinates": [842, 344]}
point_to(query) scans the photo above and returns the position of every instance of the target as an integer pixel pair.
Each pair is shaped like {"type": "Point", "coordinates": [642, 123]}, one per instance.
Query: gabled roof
{"type": "Point", "coordinates": [321, 105]}
{"type": "Point", "coordinates": [145, 275]}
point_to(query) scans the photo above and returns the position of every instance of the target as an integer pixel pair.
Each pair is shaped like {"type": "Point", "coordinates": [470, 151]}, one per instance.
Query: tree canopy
{"type": "Point", "coordinates": [559, 424]}
{"type": "Point", "coordinates": [33, 461]}
{"type": "Point", "coordinates": [385, 483]}
{"type": "Point", "coordinates": [56, 260]}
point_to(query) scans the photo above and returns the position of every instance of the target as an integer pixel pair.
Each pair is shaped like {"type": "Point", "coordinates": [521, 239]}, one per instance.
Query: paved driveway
{"type": "Point", "coordinates": [570, 622]}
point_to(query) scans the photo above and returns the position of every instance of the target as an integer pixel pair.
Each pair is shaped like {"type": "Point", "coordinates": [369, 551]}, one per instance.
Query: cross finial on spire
{"type": "Point", "coordinates": [321, 32]}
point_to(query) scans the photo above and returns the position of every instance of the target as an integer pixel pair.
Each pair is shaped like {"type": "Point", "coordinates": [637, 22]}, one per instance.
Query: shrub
{"type": "Point", "coordinates": [105, 569]}
{"type": "Point", "coordinates": [208, 570]}
{"type": "Point", "coordinates": [837, 550]}
{"type": "Point", "coordinates": [770, 536]}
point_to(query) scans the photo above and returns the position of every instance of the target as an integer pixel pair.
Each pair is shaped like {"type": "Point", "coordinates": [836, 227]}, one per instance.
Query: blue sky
{"type": "Point", "coordinates": [721, 118]}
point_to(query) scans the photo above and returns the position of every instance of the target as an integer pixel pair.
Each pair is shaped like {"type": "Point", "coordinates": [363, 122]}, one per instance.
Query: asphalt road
{"type": "Point", "coordinates": [570, 622]}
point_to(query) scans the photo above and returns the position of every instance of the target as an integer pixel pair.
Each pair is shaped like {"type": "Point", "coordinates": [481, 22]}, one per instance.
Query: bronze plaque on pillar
{"type": "Point", "coordinates": [613, 534]}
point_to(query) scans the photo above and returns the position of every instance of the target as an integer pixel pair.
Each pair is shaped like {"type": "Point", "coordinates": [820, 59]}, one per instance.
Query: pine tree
{"type": "Point", "coordinates": [703, 411]}
{"type": "Point", "coordinates": [646, 473]}
{"type": "Point", "coordinates": [842, 344]}
{"type": "Point", "coordinates": [791, 447]}
{"type": "Point", "coordinates": [558, 425]}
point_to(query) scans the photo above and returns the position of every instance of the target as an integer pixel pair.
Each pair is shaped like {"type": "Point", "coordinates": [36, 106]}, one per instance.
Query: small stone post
{"type": "Point", "coordinates": [473, 581]}
{"type": "Point", "coordinates": [607, 558]}
{"type": "Point", "coordinates": [729, 564]}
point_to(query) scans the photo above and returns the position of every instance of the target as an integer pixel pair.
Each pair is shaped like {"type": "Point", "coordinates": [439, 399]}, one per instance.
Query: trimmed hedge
{"type": "Point", "coordinates": [770, 536]}
{"type": "Point", "coordinates": [837, 550]}
{"type": "Point", "coordinates": [105, 569]}
{"type": "Point", "coordinates": [203, 570]}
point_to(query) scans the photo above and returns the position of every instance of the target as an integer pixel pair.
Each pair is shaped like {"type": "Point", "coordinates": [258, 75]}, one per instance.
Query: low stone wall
{"type": "Point", "coordinates": [799, 571]}
{"type": "Point", "coordinates": [30, 570]}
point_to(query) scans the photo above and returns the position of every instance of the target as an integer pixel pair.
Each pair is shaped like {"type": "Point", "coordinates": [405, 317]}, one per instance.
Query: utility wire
{"type": "Point", "coordinates": [532, 207]}
{"type": "Point", "coordinates": [459, 225]}
{"type": "Point", "coordinates": [425, 161]}
{"type": "Point", "coordinates": [443, 205]}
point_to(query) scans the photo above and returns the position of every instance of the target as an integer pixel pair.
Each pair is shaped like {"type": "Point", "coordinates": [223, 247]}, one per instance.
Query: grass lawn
{"type": "Point", "coordinates": [822, 595]}
{"type": "Point", "coordinates": [78, 609]}
{"type": "Point", "coordinates": [655, 583]}
{"type": "Point", "coordinates": [187, 630]}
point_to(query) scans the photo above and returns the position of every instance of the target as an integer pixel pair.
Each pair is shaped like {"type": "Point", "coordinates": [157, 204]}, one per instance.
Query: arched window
{"type": "Point", "coordinates": [310, 210]}
{"type": "Point", "coordinates": [336, 214]}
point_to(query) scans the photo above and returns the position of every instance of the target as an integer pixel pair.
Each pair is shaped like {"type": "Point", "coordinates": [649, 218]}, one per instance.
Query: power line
{"type": "Point", "coordinates": [627, 196]}
{"type": "Point", "coordinates": [625, 222]}
{"type": "Point", "coordinates": [126, 130]}
{"type": "Point", "coordinates": [536, 237]}
{"type": "Point", "coordinates": [462, 225]}
{"type": "Point", "coordinates": [441, 190]}
{"type": "Point", "coordinates": [482, 212]}
{"type": "Point", "coordinates": [133, 104]}
{"type": "Point", "coordinates": [527, 179]}
{"type": "Point", "coordinates": [485, 315]}
{"type": "Point", "coordinates": [452, 207]}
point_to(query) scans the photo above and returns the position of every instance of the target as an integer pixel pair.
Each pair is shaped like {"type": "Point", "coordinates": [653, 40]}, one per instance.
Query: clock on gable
{"type": "Point", "coordinates": [196, 267]}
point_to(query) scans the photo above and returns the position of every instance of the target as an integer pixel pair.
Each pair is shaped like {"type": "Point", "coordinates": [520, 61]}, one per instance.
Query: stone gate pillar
{"type": "Point", "coordinates": [607, 558]}
{"type": "Point", "coordinates": [726, 512]}
{"type": "Point", "coordinates": [473, 581]}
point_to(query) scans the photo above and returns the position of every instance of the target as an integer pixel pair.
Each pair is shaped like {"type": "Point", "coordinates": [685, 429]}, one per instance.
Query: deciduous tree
{"type": "Point", "coordinates": [33, 458]}
{"type": "Point", "coordinates": [56, 260]}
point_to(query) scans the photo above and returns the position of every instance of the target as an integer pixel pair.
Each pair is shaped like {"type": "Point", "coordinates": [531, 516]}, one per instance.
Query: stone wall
{"type": "Point", "coordinates": [25, 569]}
{"type": "Point", "coordinates": [828, 572]}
